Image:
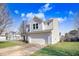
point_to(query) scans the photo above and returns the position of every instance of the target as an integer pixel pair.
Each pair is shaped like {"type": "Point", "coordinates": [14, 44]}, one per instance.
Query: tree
{"type": "Point", "coordinates": [67, 37]}
{"type": "Point", "coordinates": [22, 30]}
{"type": "Point", "coordinates": [73, 32]}
{"type": "Point", "coordinates": [72, 36]}
{"type": "Point", "coordinates": [5, 20]}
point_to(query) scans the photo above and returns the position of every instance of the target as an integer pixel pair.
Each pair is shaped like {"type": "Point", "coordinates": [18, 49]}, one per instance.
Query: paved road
{"type": "Point", "coordinates": [22, 50]}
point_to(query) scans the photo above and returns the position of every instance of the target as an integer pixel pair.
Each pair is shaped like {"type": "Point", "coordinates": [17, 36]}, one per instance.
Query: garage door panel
{"type": "Point", "coordinates": [39, 38]}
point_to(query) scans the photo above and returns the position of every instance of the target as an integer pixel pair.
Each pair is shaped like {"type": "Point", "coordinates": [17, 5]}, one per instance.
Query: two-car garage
{"type": "Point", "coordinates": [40, 38]}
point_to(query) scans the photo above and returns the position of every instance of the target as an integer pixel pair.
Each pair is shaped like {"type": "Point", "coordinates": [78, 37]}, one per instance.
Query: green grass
{"type": "Point", "coordinates": [60, 49]}
{"type": "Point", "coordinates": [7, 44]}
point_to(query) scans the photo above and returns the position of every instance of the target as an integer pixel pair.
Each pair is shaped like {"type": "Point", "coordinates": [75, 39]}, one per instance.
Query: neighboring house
{"type": "Point", "coordinates": [10, 36]}
{"type": "Point", "coordinates": [3, 37]}
{"type": "Point", "coordinates": [42, 32]}
{"type": "Point", "coordinates": [13, 36]}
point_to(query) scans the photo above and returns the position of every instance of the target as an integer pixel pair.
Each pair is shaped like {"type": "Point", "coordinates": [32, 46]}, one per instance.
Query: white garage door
{"type": "Point", "coordinates": [40, 38]}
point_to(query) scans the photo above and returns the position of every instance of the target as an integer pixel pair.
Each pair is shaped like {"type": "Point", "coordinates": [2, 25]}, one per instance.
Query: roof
{"type": "Point", "coordinates": [41, 31]}
{"type": "Point", "coordinates": [37, 19]}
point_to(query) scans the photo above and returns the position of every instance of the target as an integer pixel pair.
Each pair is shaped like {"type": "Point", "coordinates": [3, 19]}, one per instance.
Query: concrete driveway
{"type": "Point", "coordinates": [22, 50]}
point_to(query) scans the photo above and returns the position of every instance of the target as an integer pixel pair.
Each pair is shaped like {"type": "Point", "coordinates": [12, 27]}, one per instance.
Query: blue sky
{"type": "Point", "coordinates": [63, 11]}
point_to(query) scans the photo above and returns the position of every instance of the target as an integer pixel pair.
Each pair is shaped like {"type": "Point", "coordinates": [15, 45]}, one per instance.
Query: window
{"type": "Point", "coordinates": [35, 26]}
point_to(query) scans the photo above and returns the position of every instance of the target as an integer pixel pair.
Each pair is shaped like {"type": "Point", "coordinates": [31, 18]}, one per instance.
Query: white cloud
{"type": "Point", "coordinates": [62, 19]}
{"type": "Point", "coordinates": [45, 8]}
{"type": "Point", "coordinates": [23, 14]}
{"type": "Point", "coordinates": [40, 15]}
{"type": "Point", "coordinates": [70, 13]}
{"type": "Point", "coordinates": [16, 11]}
{"type": "Point", "coordinates": [31, 15]}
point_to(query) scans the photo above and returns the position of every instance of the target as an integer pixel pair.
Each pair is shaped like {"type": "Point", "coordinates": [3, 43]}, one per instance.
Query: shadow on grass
{"type": "Point", "coordinates": [2, 42]}
{"type": "Point", "coordinates": [50, 52]}
{"type": "Point", "coordinates": [56, 52]}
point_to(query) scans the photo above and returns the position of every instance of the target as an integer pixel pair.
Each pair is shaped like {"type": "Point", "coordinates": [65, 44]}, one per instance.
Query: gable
{"type": "Point", "coordinates": [36, 19]}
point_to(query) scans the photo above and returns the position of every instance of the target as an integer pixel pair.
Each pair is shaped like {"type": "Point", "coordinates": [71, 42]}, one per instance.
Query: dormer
{"type": "Point", "coordinates": [36, 24]}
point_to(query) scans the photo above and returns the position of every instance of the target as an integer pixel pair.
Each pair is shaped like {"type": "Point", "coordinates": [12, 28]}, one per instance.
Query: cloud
{"type": "Point", "coordinates": [23, 14]}
{"type": "Point", "coordinates": [45, 8]}
{"type": "Point", "coordinates": [29, 16]}
{"type": "Point", "coordinates": [40, 15]}
{"type": "Point", "coordinates": [71, 13]}
{"type": "Point", "coordinates": [16, 11]}
{"type": "Point", "coordinates": [62, 19]}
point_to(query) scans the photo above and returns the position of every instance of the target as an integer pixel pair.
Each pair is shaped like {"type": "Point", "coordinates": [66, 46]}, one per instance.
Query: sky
{"type": "Point", "coordinates": [63, 11]}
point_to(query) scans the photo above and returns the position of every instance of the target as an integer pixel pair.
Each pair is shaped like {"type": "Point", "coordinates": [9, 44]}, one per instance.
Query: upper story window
{"type": "Point", "coordinates": [35, 26]}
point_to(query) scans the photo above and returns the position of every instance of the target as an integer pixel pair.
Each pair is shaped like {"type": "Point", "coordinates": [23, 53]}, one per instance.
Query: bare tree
{"type": "Point", "coordinates": [22, 30]}
{"type": "Point", "coordinates": [4, 18]}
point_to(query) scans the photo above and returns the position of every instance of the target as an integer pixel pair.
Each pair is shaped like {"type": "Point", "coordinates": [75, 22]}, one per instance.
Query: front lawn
{"type": "Point", "coordinates": [60, 49]}
{"type": "Point", "coordinates": [7, 44]}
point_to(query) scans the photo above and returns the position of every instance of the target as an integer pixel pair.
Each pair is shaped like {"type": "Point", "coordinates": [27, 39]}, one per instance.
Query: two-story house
{"type": "Point", "coordinates": [42, 32]}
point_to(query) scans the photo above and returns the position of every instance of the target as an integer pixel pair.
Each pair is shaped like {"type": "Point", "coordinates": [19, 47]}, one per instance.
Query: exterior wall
{"type": "Point", "coordinates": [46, 26]}
{"type": "Point", "coordinates": [43, 26]}
{"type": "Point", "coordinates": [50, 26]}
{"type": "Point", "coordinates": [40, 38]}
{"type": "Point", "coordinates": [55, 32]}
{"type": "Point", "coordinates": [44, 38]}
{"type": "Point", "coordinates": [39, 26]}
